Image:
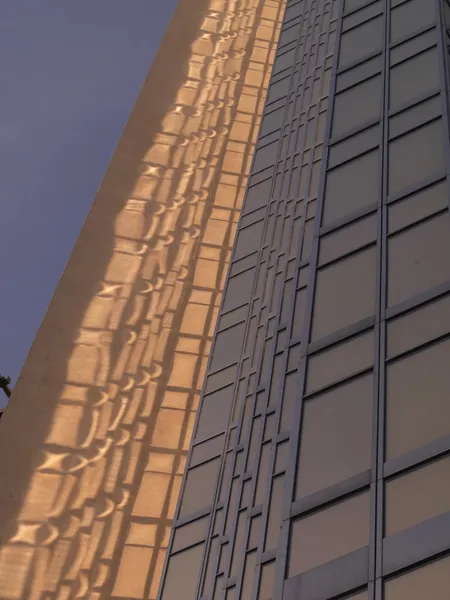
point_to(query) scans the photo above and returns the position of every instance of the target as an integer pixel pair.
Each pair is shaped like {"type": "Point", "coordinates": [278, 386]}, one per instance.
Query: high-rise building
{"type": "Point", "coordinates": [319, 465]}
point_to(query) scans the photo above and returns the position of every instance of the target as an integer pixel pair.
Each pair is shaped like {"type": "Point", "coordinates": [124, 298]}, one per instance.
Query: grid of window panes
{"type": "Point", "coordinates": [320, 467]}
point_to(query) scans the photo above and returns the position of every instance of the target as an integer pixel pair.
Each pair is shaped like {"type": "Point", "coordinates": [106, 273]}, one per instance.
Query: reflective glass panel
{"type": "Point", "coordinates": [330, 533]}
{"type": "Point", "coordinates": [418, 410]}
{"type": "Point", "coordinates": [431, 582]}
{"type": "Point", "coordinates": [415, 156]}
{"type": "Point", "coordinates": [418, 496]}
{"type": "Point", "coordinates": [351, 187]}
{"type": "Point", "coordinates": [345, 293]}
{"type": "Point", "coordinates": [418, 259]}
{"type": "Point", "coordinates": [336, 436]}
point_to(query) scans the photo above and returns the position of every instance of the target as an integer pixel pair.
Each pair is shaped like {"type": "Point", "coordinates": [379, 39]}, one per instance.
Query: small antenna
{"type": "Point", "coordinates": [4, 384]}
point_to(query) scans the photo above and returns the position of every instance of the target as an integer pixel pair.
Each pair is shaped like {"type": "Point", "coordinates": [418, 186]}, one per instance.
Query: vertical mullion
{"type": "Point", "coordinates": [379, 424]}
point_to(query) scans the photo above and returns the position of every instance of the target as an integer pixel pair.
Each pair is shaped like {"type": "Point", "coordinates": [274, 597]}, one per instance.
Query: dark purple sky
{"type": "Point", "coordinates": [70, 73]}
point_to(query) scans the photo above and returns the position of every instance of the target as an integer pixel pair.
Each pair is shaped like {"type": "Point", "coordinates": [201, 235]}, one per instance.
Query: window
{"type": "Point", "coordinates": [274, 516]}
{"type": "Point", "coordinates": [265, 156]}
{"type": "Point", "coordinates": [339, 361]}
{"type": "Point", "coordinates": [336, 436]}
{"type": "Point", "coordinates": [215, 412]}
{"type": "Point", "coordinates": [361, 41]}
{"type": "Point", "coordinates": [249, 239]}
{"type": "Point", "coordinates": [329, 534]}
{"type": "Point", "coordinates": [351, 187]}
{"type": "Point", "coordinates": [417, 206]}
{"type": "Point", "coordinates": [257, 195]}
{"type": "Point", "coordinates": [352, 146]}
{"type": "Point", "coordinates": [418, 259]}
{"type": "Point", "coordinates": [413, 46]}
{"type": "Point", "coordinates": [415, 156]}
{"type": "Point", "coordinates": [356, 106]}
{"type": "Point", "coordinates": [354, 4]}
{"type": "Point", "coordinates": [418, 496]}
{"type": "Point", "coordinates": [185, 567]}
{"type": "Point", "coordinates": [267, 581]}
{"type": "Point", "coordinates": [199, 487]}
{"type": "Point", "coordinates": [227, 347]}
{"type": "Point", "coordinates": [207, 450]}
{"type": "Point", "coordinates": [411, 16]}
{"type": "Point", "coordinates": [239, 289]}
{"type": "Point", "coordinates": [346, 239]}
{"type": "Point", "coordinates": [418, 410]}
{"type": "Point", "coordinates": [358, 73]}
{"type": "Point", "coordinates": [431, 582]}
{"type": "Point", "coordinates": [189, 534]}
{"type": "Point", "coordinates": [418, 327]}
{"type": "Point", "coordinates": [374, 9]}
{"type": "Point", "coordinates": [405, 85]}
{"type": "Point", "coordinates": [345, 293]}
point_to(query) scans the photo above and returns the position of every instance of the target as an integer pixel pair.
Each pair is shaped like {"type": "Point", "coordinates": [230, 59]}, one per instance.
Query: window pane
{"type": "Point", "coordinates": [418, 259]}
{"type": "Point", "coordinates": [361, 596]}
{"type": "Point", "coordinates": [189, 534]}
{"type": "Point", "coordinates": [348, 238]}
{"type": "Point", "coordinates": [354, 4]}
{"type": "Point", "coordinates": [418, 206]}
{"type": "Point", "coordinates": [357, 105]}
{"type": "Point", "coordinates": [358, 43]}
{"type": "Point", "coordinates": [351, 187]}
{"type": "Point", "coordinates": [267, 581]}
{"type": "Point", "coordinates": [239, 289]}
{"type": "Point", "coordinates": [248, 239]}
{"type": "Point", "coordinates": [352, 146]}
{"type": "Point", "coordinates": [257, 195]}
{"type": "Point", "coordinates": [275, 514]}
{"type": "Point", "coordinates": [413, 46]}
{"type": "Point", "coordinates": [431, 582]}
{"type": "Point", "coordinates": [329, 534]}
{"type": "Point", "coordinates": [418, 410]}
{"type": "Point", "coordinates": [418, 327]}
{"type": "Point", "coordinates": [405, 85]}
{"type": "Point", "coordinates": [345, 293]}
{"type": "Point", "coordinates": [227, 347]}
{"type": "Point", "coordinates": [184, 567]}
{"type": "Point", "coordinates": [340, 361]}
{"type": "Point", "coordinates": [418, 496]}
{"type": "Point", "coordinates": [410, 17]}
{"type": "Point", "coordinates": [358, 73]}
{"type": "Point", "coordinates": [374, 9]}
{"type": "Point", "coordinates": [214, 412]}
{"type": "Point", "coordinates": [249, 575]}
{"type": "Point", "coordinates": [416, 156]}
{"type": "Point", "coordinates": [336, 436]}
{"type": "Point", "coordinates": [199, 487]}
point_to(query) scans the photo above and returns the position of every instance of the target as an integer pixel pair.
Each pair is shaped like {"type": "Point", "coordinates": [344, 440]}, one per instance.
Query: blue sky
{"type": "Point", "coordinates": [70, 73]}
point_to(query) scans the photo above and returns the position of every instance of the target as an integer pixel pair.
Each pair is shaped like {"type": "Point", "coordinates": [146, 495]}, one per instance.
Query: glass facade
{"type": "Point", "coordinates": [325, 414]}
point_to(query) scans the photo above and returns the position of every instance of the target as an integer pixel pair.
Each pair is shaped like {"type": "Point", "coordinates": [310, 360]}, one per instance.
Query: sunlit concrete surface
{"type": "Point", "coordinates": [94, 440]}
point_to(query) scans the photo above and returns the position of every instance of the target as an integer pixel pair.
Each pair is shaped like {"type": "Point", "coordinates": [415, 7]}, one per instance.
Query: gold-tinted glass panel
{"type": "Point", "coordinates": [417, 496]}
{"type": "Point", "coordinates": [418, 410]}
{"type": "Point", "coordinates": [431, 582]}
{"type": "Point", "coordinates": [329, 534]}
{"type": "Point", "coordinates": [336, 436]}
{"type": "Point", "coordinates": [418, 259]}
{"type": "Point", "coordinates": [345, 293]}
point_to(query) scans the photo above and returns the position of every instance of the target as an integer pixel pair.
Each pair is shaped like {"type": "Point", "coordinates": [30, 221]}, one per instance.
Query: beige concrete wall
{"type": "Point", "coordinates": [94, 439]}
